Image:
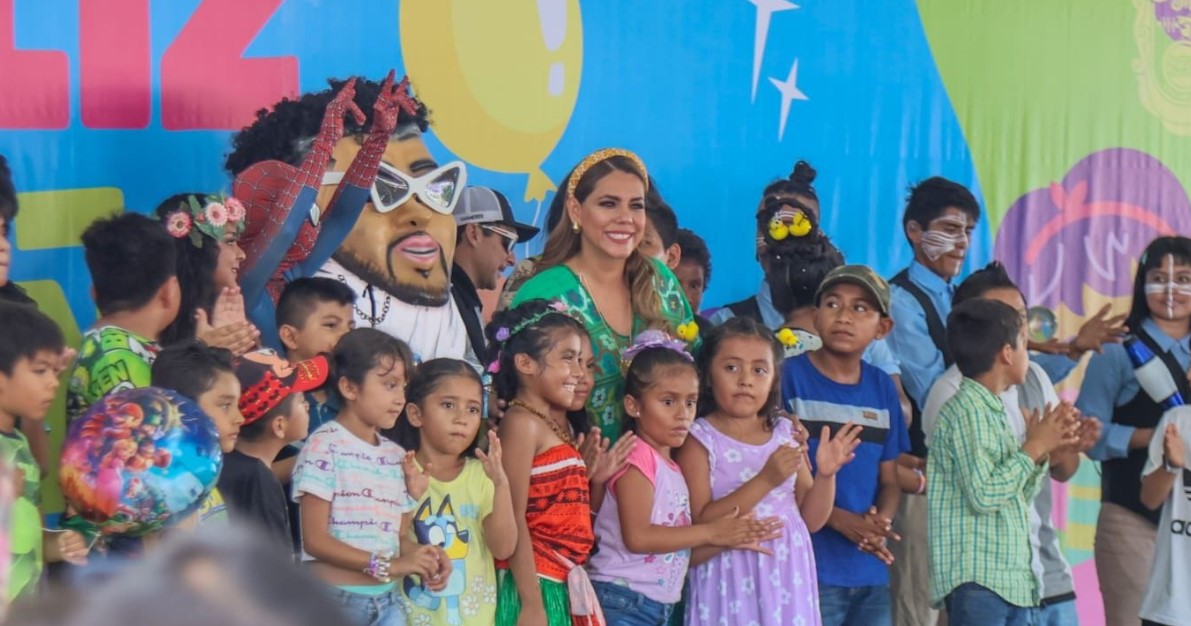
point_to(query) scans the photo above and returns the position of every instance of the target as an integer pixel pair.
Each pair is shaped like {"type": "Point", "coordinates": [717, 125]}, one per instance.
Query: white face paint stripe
{"type": "Point", "coordinates": [1168, 287]}
{"type": "Point", "coordinates": [935, 244]}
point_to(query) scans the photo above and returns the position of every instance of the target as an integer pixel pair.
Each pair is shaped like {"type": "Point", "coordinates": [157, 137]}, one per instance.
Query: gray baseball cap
{"type": "Point", "coordinates": [484, 205]}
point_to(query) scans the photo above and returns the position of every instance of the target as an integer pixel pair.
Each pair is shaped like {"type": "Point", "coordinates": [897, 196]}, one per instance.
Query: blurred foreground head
{"type": "Point", "coordinates": [230, 577]}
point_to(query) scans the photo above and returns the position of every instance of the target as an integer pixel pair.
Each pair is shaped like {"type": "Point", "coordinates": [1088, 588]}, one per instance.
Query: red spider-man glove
{"type": "Point", "coordinates": [353, 192]}
{"type": "Point", "coordinates": [385, 114]}
{"type": "Point", "coordinates": [279, 196]}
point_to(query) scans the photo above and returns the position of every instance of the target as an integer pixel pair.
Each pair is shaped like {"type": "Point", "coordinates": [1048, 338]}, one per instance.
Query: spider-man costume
{"type": "Point", "coordinates": [283, 240]}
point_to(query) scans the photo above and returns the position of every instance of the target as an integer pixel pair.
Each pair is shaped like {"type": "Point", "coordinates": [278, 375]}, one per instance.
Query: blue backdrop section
{"type": "Point", "coordinates": [670, 80]}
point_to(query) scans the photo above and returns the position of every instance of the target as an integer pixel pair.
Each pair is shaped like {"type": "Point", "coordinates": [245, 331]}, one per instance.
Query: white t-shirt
{"type": "Point", "coordinates": [430, 331]}
{"type": "Point", "coordinates": [1046, 553]}
{"type": "Point", "coordinates": [1167, 598]}
{"type": "Point", "coordinates": [364, 483]}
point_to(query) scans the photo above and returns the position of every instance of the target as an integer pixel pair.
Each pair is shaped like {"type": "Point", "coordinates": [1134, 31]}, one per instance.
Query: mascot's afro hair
{"type": "Point", "coordinates": [279, 134]}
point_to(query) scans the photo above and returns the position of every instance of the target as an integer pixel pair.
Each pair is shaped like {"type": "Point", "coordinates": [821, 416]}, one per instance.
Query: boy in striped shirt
{"type": "Point", "coordinates": [983, 482]}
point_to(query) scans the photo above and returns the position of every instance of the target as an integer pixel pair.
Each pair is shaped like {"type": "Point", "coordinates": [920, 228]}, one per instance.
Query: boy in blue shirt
{"type": "Point", "coordinates": [831, 387]}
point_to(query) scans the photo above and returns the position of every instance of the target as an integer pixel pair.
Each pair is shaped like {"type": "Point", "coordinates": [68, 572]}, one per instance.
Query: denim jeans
{"type": "Point", "coordinates": [624, 607]}
{"type": "Point", "coordinates": [380, 610]}
{"type": "Point", "coordinates": [1059, 614]}
{"type": "Point", "coordinates": [973, 605]}
{"type": "Point", "coordinates": [844, 606]}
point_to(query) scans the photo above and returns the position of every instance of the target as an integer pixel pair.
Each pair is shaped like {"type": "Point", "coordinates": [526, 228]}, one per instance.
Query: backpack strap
{"type": "Point", "coordinates": [1176, 370]}
{"type": "Point", "coordinates": [934, 323]}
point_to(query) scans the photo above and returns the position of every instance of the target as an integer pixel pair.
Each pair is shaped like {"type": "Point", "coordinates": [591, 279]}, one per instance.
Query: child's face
{"type": "Point", "coordinates": [665, 411]}
{"type": "Point", "coordinates": [651, 243]}
{"type": "Point", "coordinates": [221, 403]}
{"type": "Point", "coordinates": [381, 398]}
{"type": "Point", "coordinates": [297, 423]}
{"type": "Point", "coordinates": [1168, 290]}
{"type": "Point", "coordinates": [694, 281]}
{"type": "Point", "coordinates": [944, 242]}
{"type": "Point", "coordinates": [5, 252]}
{"type": "Point", "coordinates": [449, 417]}
{"type": "Point", "coordinates": [848, 320]}
{"type": "Point", "coordinates": [227, 267]}
{"type": "Point", "coordinates": [742, 376]}
{"type": "Point", "coordinates": [587, 379]}
{"type": "Point", "coordinates": [556, 375]}
{"type": "Point", "coordinates": [29, 391]}
{"type": "Point", "coordinates": [323, 329]}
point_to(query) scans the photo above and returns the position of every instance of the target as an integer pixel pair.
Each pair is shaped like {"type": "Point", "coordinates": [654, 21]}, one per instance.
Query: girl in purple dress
{"type": "Point", "coordinates": [740, 457]}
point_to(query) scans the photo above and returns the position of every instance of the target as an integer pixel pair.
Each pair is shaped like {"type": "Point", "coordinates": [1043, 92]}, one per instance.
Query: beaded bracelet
{"type": "Point", "coordinates": [378, 566]}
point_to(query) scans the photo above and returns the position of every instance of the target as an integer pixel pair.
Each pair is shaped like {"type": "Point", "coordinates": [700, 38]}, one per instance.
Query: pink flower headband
{"type": "Point", "coordinates": [219, 218]}
{"type": "Point", "coordinates": [504, 333]}
{"type": "Point", "coordinates": [654, 339]}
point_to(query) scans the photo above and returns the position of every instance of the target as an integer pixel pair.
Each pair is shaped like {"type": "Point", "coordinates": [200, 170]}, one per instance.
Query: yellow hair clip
{"type": "Point", "coordinates": [787, 337]}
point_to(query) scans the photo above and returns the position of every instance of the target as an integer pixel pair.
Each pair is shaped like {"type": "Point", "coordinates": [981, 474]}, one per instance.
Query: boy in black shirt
{"type": "Point", "coordinates": [275, 415]}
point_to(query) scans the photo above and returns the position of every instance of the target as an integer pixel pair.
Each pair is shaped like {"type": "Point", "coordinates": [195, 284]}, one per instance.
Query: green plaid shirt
{"type": "Point", "coordinates": [979, 495]}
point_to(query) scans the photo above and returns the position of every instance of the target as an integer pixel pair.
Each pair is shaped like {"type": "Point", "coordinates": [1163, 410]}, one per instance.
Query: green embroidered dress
{"type": "Point", "coordinates": [605, 405]}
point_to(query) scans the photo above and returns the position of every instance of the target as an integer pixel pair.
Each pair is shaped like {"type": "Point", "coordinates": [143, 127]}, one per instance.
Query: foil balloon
{"type": "Point", "coordinates": [1043, 324]}
{"type": "Point", "coordinates": [500, 77]}
{"type": "Point", "coordinates": [137, 461]}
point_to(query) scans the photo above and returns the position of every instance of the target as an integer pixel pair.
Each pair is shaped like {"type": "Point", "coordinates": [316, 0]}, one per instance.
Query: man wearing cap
{"type": "Point", "coordinates": [834, 386]}
{"type": "Point", "coordinates": [275, 414]}
{"type": "Point", "coordinates": [485, 236]}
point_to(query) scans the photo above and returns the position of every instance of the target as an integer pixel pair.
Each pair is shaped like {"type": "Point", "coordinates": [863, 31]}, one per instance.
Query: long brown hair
{"type": "Point", "coordinates": [564, 243]}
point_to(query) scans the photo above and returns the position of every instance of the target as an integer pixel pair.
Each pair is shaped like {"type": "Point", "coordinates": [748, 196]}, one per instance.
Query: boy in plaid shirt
{"type": "Point", "coordinates": [983, 482]}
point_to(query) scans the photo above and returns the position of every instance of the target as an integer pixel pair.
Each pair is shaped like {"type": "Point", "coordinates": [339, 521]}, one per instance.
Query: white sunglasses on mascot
{"type": "Point", "coordinates": [438, 190]}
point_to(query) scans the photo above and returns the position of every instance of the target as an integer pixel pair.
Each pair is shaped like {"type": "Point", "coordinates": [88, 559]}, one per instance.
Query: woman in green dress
{"type": "Point", "coordinates": [591, 264]}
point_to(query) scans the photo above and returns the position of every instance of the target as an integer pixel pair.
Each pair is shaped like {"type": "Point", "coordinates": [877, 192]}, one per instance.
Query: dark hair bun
{"type": "Point", "coordinates": [803, 174]}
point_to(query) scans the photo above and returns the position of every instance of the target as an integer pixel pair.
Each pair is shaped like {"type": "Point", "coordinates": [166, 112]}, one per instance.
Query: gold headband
{"type": "Point", "coordinates": [599, 156]}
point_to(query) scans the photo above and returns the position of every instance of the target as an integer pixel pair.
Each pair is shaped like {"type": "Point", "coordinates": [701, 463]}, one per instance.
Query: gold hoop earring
{"type": "Point", "coordinates": [575, 227]}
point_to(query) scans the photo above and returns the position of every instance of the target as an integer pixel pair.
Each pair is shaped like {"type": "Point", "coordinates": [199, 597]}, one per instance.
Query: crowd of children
{"type": "Point", "coordinates": [838, 449]}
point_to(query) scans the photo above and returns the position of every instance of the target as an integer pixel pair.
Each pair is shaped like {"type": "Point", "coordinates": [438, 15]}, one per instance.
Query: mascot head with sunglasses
{"type": "Point", "coordinates": [340, 184]}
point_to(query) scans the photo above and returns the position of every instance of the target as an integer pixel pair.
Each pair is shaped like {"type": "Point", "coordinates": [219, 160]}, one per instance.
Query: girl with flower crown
{"type": "Point", "coordinates": [537, 370]}
{"type": "Point", "coordinates": [591, 263]}
{"type": "Point", "coordinates": [645, 529]}
{"type": "Point", "coordinates": [206, 230]}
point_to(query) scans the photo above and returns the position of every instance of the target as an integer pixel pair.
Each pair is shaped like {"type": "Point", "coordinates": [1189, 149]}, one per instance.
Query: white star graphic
{"type": "Point", "coordinates": [790, 93]}
{"type": "Point", "coordinates": [765, 10]}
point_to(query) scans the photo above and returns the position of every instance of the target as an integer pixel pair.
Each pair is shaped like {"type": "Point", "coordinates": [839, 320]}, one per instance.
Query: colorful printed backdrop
{"type": "Point", "coordinates": [1070, 120]}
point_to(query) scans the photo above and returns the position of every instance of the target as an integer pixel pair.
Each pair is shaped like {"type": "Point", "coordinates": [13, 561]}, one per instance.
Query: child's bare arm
{"type": "Point", "coordinates": [500, 525]}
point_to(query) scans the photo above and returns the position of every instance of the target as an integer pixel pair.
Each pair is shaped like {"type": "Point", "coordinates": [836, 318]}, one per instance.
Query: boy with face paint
{"type": "Point", "coordinates": [939, 219]}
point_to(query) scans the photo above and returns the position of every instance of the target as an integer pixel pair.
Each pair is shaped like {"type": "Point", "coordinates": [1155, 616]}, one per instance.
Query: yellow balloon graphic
{"type": "Point", "coordinates": [500, 78]}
